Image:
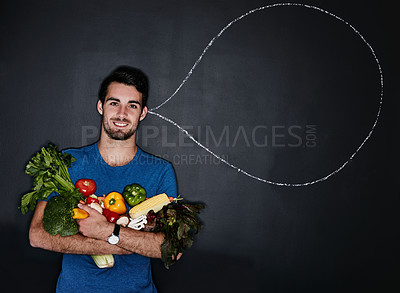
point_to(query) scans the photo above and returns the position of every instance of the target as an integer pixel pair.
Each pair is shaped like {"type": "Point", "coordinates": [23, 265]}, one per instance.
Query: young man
{"type": "Point", "coordinates": [113, 162]}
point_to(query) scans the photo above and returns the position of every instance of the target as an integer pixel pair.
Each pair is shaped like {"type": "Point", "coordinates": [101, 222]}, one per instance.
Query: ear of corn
{"type": "Point", "coordinates": [154, 203]}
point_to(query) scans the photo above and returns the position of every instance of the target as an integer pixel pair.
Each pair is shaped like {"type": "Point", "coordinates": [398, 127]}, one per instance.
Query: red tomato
{"type": "Point", "coordinates": [90, 199]}
{"type": "Point", "coordinates": [86, 186]}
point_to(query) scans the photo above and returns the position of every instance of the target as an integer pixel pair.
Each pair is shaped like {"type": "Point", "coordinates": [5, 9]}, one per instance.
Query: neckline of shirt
{"type": "Point", "coordinates": [104, 163]}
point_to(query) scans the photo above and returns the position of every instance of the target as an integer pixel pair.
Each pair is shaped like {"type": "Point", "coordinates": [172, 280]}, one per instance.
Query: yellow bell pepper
{"type": "Point", "coordinates": [78, 213]}
{"type": "Point", "coordinates": [115, 202]}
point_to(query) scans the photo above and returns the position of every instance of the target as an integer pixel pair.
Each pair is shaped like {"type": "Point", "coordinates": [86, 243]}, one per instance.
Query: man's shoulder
{"type": "Point", "coordinates": [81, 151]}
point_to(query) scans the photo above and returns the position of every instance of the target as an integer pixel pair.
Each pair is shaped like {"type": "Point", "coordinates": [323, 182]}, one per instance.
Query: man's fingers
{"type": "Point", "coordinates": [85, 207]}
{"type": "Point", "coordinates": [89, 209]}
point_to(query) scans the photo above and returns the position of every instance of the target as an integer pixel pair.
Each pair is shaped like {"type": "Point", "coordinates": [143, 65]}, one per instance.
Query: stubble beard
{"type": "Point", "coordinates": [118, 134]}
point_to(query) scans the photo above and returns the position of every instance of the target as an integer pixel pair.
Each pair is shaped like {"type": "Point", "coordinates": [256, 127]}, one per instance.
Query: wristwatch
{"type": "Point", "coordinates": [114, 237]}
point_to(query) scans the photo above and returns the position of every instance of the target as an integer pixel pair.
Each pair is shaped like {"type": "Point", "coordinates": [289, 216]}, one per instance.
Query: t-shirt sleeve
{"type": "Point", "coordinates": [168, 182]}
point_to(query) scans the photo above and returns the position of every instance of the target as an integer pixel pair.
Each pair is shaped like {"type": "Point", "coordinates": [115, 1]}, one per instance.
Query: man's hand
{"type": "Point", "coordinates": [96, 225]}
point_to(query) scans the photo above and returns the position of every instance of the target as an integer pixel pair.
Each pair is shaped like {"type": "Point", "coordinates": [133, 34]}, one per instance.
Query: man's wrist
{"type": "Point", "coordinates": [109, 229]}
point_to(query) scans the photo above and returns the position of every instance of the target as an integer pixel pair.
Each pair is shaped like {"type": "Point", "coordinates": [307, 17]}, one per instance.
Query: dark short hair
{"type": "Point", "coordinates": [129, 76]}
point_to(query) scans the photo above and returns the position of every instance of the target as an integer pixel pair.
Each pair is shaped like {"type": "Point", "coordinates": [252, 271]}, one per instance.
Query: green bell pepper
{"type": "Point", "coordinates": [134, 194]}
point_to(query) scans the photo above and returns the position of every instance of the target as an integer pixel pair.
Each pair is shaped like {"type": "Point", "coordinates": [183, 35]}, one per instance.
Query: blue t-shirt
{"type": "Point", "coordinates": [130, 273]}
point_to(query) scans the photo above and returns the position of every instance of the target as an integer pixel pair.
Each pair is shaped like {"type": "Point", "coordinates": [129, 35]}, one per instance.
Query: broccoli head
{"type": "Point", "coordinates": [57, 218]}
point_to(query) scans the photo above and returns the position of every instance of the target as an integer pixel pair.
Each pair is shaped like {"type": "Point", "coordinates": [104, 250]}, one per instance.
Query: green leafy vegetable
{"type": "Point", "coordinates": [49, 171]}
{"type": "Point", "coordinates": [179, 223]}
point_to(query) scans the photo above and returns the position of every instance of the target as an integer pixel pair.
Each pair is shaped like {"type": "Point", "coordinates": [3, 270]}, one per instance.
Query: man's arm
{"type": "Point", "coordinates": [144, 243]}
{"type": "Point", "coordinates": [76, 244]}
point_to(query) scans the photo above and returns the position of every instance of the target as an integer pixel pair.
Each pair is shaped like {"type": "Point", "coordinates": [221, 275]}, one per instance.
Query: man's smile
{"type": "Point", "coordinates": [119, 124]}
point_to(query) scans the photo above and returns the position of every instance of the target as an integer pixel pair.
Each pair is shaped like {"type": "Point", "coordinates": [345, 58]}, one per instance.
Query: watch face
{"type": "Point", "coordinates": [113, 239]}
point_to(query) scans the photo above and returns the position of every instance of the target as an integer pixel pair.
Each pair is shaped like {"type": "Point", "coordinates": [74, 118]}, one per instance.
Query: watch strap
{"type": "Point", "coordinates": [116, 229]}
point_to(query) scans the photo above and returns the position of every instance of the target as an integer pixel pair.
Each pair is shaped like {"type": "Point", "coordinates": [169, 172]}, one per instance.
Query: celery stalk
{"type": "Point", "coordinates": [104, 261]}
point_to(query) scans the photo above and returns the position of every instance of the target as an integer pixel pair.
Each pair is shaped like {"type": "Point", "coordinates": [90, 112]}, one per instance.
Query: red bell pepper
{"type": "Point", "coordinates": [112, 217]}
{"type": "Point", "coordinates": [91, 198]}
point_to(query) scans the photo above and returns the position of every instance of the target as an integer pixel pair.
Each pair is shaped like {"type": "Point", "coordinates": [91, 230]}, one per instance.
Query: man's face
{"type": "Point", "coordinates": [122, 110]}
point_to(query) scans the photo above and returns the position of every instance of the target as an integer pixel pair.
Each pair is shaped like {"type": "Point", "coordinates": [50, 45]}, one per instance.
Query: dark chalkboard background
{"type": "Point", "coordinates": [287, 94]}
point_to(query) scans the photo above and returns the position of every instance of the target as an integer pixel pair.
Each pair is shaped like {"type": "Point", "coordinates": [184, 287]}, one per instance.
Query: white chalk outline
{"type": "Point", "coordinates": [151, 111]}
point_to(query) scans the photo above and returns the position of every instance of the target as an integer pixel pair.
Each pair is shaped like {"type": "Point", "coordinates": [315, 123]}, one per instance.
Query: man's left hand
{"type": "Point", "coordinates": [96, 225]}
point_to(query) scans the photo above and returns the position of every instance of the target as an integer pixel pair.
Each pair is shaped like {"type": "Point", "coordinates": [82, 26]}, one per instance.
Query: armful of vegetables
{"type": "Point", "coordinates": [177, 220]}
